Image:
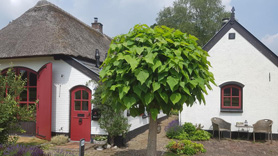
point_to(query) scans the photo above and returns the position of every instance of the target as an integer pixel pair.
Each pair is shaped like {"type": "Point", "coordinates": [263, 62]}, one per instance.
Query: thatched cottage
{"type": "Point", "coordinates": [58, 54]}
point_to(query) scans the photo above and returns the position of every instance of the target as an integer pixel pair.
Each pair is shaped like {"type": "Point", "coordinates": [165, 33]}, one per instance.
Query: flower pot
{"type": "Point", "coordinates": [100, 144]}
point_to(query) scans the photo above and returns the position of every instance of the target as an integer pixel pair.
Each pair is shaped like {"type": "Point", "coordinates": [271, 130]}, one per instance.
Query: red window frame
{"type": "Point", "coordinates": [27, 86]}
{"type": "Point", "coordinates": [231, 97]}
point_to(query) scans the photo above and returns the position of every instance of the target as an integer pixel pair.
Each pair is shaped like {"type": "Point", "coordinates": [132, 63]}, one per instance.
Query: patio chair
{"type": "Point", "coordinates": [263, 126]}
{"type": "Point", "coordinates": [220, 125]}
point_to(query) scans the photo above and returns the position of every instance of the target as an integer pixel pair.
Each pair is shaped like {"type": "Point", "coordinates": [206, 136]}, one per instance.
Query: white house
{"type": "Point", "coordinates": [58, 54]}
{"type": "Point", "coordinates": [246, 74]}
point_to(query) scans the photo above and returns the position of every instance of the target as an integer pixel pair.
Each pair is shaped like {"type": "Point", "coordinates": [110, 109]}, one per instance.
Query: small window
{"type": "Point", "coordinates": [232, 36]}
{"type": "Point", "coordinates": [231, 98]}
{"type": "Point", "coordinates": [81, 100]}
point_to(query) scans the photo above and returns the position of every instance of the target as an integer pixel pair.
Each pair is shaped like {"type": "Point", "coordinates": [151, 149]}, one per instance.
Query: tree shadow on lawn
{"type": "Point", "coordinates": [141, 152]}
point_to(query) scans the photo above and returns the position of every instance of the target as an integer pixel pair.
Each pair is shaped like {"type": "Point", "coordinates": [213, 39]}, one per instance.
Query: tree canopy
{"type": "Point", "coordinates": [155, 69]}
{"type": "Point", "coordinates": [201, 18]}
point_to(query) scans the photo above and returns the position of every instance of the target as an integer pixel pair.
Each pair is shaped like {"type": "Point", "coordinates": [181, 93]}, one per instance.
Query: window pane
{"type": "Point", "coordinates": [23, 74]}
{"type": "Point", "coordinates": [85, 94]}
{"type": "Point", "coordinates": [227, 92]}
{"type": "Point", "coordinates": [33, 79]}
{"type": "Point", "coordinates": [23, 105]}
{"type": "Point", "coordinates": [227, 101]}
{"type": "Point", "coordinates": [32, 106]}
{"type": "Point", "coordinates": [77, 105]}
{"type": "Point", "coordinates": [78, 95]}
{"type": "Point", "coordinates": [32, 94]}
{"type": "Point", "coordinates": [23, 96]}
{"type": "Point", "coordinates": [235, 101]}
{"type": "Point", "coordinates": [84, 105]}
{"type": "Point", "coordinates": [235, 92]}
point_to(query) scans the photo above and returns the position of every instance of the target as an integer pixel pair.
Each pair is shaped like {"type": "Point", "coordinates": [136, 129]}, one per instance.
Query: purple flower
{"type": "Point", "coordinates": [19, 150]}
{"type": "Point", "coordinates": [172, 125]}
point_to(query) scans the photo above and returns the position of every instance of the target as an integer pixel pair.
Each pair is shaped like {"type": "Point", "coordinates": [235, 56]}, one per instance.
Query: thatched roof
{"type": "Point", "coordinates": [47, 30]}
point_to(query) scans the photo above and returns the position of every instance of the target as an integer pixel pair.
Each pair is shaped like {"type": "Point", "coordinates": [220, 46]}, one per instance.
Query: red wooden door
{"type": "Point", "coordinates": [44, 106]}
{"type": "Point", "coordinates": [80, 121]}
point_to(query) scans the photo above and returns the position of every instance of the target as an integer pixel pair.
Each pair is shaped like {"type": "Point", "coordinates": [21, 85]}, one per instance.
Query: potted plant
{"type": "Point", "coordinates": [100, 141]}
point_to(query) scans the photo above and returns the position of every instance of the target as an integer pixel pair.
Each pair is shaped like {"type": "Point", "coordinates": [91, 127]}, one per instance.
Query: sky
{"type": "Point", "coordinates": [260, 17]}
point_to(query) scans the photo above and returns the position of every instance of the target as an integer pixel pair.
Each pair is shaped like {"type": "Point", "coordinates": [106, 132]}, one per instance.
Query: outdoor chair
{"type": "Point", "coordinates": [220, 125]}
{"type": "Point", "coordinates": [263, 126]}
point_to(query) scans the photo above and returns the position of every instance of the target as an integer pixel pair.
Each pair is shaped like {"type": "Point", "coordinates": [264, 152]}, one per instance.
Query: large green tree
{"type": "Point", "coordinates": [155, 69]}
{"type": "Point", "coordinates": [201, 18]}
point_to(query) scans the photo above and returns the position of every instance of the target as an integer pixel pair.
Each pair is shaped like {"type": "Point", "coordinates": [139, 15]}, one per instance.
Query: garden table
{"type": "Point", "coordinates": [244, 128]}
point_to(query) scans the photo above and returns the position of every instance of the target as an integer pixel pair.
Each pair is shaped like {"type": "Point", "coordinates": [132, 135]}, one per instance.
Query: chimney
{"type": "Point", "coordinates": [97, 56]}
{"type": "Point", "coordinates": [96, 25]}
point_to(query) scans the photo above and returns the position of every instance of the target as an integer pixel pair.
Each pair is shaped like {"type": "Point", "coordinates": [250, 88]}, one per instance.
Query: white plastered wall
{"type": "Point", "coordinates": [65, 77]}
{"type": "Point", "coordinates": [237, 60]}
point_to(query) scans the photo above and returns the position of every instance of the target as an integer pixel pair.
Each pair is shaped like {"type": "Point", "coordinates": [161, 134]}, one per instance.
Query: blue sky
{"type": "Point", "coordinates": [260, 17]}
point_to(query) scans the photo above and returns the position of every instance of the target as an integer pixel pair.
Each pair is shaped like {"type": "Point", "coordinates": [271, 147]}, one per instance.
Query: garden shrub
{"type": "Point", "coordinates": [189, 127]}
{"type": "Point", "coordinates": [21, 150]}
{"type": "Point", "coordinates": [173, 129]}
{"type": "Point", "coordinates": [114, 123]}
{"type": "Point", "coordinates": [11, 86]}
{"type": "Point", "coordinates": [174, 112]}
{"type": "Point", "coordinates": [59, 139]}
{"type": "Point", "coordinates": [186, 132]}
{"type": "Point", "coordinates": [200, 135]}
{"type": "Point", "coordinates": [182, 136]}
{"type": "Point", "coordinates": [185, 147]}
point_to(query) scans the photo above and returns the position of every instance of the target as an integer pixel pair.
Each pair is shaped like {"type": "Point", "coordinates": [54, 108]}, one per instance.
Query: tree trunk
{"type": "Point", "coordinates": [151, 149]}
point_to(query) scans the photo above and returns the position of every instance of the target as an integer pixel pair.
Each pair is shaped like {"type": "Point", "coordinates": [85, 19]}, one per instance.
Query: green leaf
{"type": "Point", "coordinates": [164, 96]}
{"type": "Point", "coordinates": [142, 75]}
{"type": "Point", "coordinates": [156, 86]}
{"type": "Point", "coordinates": [137, 90]}
{"type": "Point", "coordinates": [123, 91]}
{"type": "Point", "coordinates": [129, 101]}
{"type": "Point", "coordinates": [139, 50]}
{"type": "Point", "coordinates": [131, 61]}
{"type": "Point", "coordinates": [157, 63]}
{"type": "Point", "coordinates": [113, 47]}
{"type": "Point", "coordinates": [113, 87]}
{"type": "Point", "coordinates": [149, 98]}
{"type": "Point", "coordinates": [172, 82]}
{"type": "Point", "coordinates": [161, 68]}
{"type": "Point", "coordinates": [154, 113]}
{"type": "Point", "coordinates": [194, 83]}
{"type": "Point", "coordinates": [175, 98]}
{"type": "Point", "coordinates": [191, 46]}
{"type": "Point", "coordinates": [161, 76]}
{"type": "Point", "coordinates": [150, 58]}
{"type": "Point", "coordinates": [186, 90]}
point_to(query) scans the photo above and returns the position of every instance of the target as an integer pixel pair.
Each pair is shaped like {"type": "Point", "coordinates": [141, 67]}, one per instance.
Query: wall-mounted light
{"type": "Point", "coordinates": [97, 56]}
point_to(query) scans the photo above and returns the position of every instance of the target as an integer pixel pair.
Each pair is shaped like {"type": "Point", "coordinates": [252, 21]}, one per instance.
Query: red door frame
{"type": "Point", "coordinates": [80, 114]}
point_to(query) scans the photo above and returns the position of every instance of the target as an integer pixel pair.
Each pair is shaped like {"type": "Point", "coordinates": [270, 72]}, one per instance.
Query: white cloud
{"type": "Point", "coordinates": [227, 4]}
{"type": "Point", "coordinates": [271, 41]}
